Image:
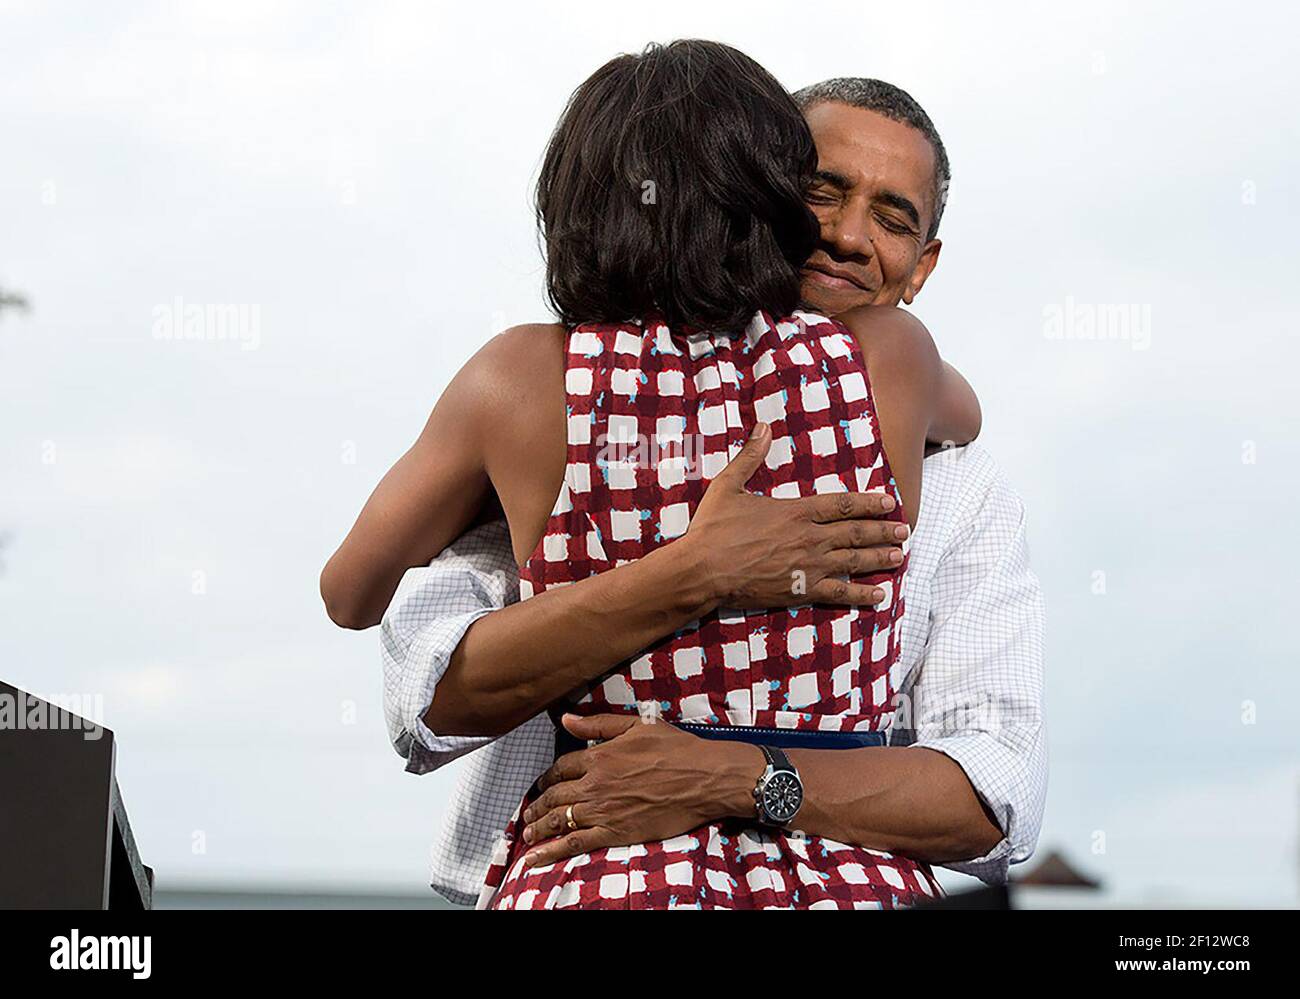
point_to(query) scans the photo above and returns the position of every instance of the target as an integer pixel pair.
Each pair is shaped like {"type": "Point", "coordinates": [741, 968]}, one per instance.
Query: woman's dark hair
{"type": "Point", "coordinates": [674, 182]}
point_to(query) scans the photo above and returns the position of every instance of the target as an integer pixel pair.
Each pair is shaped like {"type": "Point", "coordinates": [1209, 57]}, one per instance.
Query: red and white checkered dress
{"type": "Point", "coordinates": [653, 416]}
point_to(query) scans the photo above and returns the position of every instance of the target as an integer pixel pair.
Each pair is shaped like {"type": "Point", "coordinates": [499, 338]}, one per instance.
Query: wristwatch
{"type": "Point", "coordinates": [779, 791]}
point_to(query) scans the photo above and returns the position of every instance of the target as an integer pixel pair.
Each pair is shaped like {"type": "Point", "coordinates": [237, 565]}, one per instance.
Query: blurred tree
{"type": "Point", "coordinates": [12, 300]}
{"type": "Point", "coordinates": [18, 303]}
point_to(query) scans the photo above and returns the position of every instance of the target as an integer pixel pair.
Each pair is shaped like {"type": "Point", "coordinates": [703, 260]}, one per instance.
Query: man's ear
{"type": "Point", "coordinates": [925, 266]}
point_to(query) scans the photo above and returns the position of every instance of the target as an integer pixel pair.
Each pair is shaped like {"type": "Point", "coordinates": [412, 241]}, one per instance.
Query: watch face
{"type": "Point", "coordinates": [782, 796]}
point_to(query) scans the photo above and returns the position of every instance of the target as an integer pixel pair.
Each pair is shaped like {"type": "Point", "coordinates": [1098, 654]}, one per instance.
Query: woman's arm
{"type": "Point", "coordinates": [427, 499]}
{"type": "Point", "coordinates": [918, 398]}
{"type": "Point", "coordinates": [957, 417]}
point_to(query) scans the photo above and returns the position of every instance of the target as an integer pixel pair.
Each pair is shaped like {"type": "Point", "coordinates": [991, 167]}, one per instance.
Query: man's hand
{"type": "Point", "coordinates": [740, 551]}
{"type": "Point", "coordinates": [646, 782]}
{"type": "Point", "coordinates": [759, 552]}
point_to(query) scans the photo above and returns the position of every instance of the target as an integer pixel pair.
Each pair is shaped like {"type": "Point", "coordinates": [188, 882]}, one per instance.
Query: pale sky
{"type": "Point", "coordinates": [358, 178]}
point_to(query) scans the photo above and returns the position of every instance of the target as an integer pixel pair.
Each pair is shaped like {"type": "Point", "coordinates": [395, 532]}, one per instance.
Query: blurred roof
{"type": "Point", "coordinates": [1056, 872]}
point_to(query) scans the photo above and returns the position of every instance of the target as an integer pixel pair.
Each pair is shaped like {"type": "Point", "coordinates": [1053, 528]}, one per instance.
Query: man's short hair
{"type": "Point", "coordinates": [895, 104]}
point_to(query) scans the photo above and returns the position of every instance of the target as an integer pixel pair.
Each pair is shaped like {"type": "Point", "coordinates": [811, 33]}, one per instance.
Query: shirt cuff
{"type": "Point", "coordinates": [427, 660]}
{"type": "Point", "coordinates": [982, 758]}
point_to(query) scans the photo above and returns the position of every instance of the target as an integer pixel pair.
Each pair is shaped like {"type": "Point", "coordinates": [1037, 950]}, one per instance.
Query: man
{"type": "Point", "coordinates": [963, 780]}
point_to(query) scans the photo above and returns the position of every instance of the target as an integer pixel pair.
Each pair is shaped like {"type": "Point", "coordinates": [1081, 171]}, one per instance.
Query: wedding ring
{"type": "Point", "coordinates": [569, 820]}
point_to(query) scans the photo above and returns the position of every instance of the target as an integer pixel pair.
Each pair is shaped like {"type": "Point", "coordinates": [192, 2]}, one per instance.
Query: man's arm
{"type": "Point", "coordinates": [977, 696]}
{"type": "Point", "coordinates": [461, 666]}
{"type": "Point", "coordinates": [741, 551]}
{"type": "Point", "coordinates": [968, 793]}
{"type": "Point", "coordinates": [654, 781]}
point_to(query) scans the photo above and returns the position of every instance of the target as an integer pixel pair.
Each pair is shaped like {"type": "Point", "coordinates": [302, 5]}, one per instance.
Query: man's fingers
{"type": "Point", "coordinates": [830, 507]}
{"type": "Point", "coordinates": [556, 796]}
{"type": "Point", "coordinates": [742, 467]}
{"type": "Point", "coordinates": [569, 845]}
{"type": "Point", "coordinates": [550, 825]}
{"type": "Point", "coordinates": [605, 726]}
{"type": "Point", "coordinates": [551, 817]}
{"type": "Point", "coordinates": [860, 561]}
{"type": "Point", "coordinates": [861, 533]}
{"type": "Point", "coordinates": [570, 766]}
{"type": "Point", "coordinates": [839, 591]}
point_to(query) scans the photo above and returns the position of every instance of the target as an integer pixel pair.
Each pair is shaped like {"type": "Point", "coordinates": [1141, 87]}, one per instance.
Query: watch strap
{"type": "Point", "coordinates": [777, 759]}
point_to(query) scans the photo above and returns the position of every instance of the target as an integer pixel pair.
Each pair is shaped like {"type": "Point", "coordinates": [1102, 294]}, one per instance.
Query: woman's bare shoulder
{"type": "Point", "coordinates": [517, 381]}
{"type": "Point", "coordinates": [905, 368]}
{"type": "Point", "coordinates": [517, 360]}
{"type": "Point", "coordinates": [514, 371]}
{"type": "Point", "coordinates": [890, 331]}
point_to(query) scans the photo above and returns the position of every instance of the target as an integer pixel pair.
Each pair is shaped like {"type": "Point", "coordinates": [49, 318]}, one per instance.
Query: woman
{"type": "Point", "coordinates": [671, 203]}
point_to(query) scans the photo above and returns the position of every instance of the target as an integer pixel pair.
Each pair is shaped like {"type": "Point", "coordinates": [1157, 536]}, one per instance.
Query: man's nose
{"type": "Point", "coordinates": [848, 235]}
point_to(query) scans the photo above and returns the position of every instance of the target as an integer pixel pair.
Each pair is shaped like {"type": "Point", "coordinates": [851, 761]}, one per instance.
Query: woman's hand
{"type": "Point", "coordinates": [758, 552]}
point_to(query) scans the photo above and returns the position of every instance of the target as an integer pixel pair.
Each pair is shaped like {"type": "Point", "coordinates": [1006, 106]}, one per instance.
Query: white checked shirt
{"type": "Point", "coordinates": [971, 665]}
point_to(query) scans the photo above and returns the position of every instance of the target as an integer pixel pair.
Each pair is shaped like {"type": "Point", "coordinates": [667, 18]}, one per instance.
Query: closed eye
{"type": "Point", "coordinates": [895, 225]}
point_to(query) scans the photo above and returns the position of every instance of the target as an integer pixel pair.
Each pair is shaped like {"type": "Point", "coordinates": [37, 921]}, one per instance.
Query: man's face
{"type": "Point", "coordinates": [874, 198]}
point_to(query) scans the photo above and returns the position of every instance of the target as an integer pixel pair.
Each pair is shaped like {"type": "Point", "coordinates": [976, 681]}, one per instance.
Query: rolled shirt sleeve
{"type": "Point", "coordinates": [433, 608]}
{"type": "Point", "coordinates": [977, 696]}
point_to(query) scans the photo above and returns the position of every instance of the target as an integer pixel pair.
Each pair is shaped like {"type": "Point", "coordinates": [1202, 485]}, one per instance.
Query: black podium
{"type": "Point", "coordinates": [65, 842]}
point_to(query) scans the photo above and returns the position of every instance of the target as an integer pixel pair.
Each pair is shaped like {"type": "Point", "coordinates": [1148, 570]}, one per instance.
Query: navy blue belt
{"type": "Point", "coordinates": [782, 738]}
